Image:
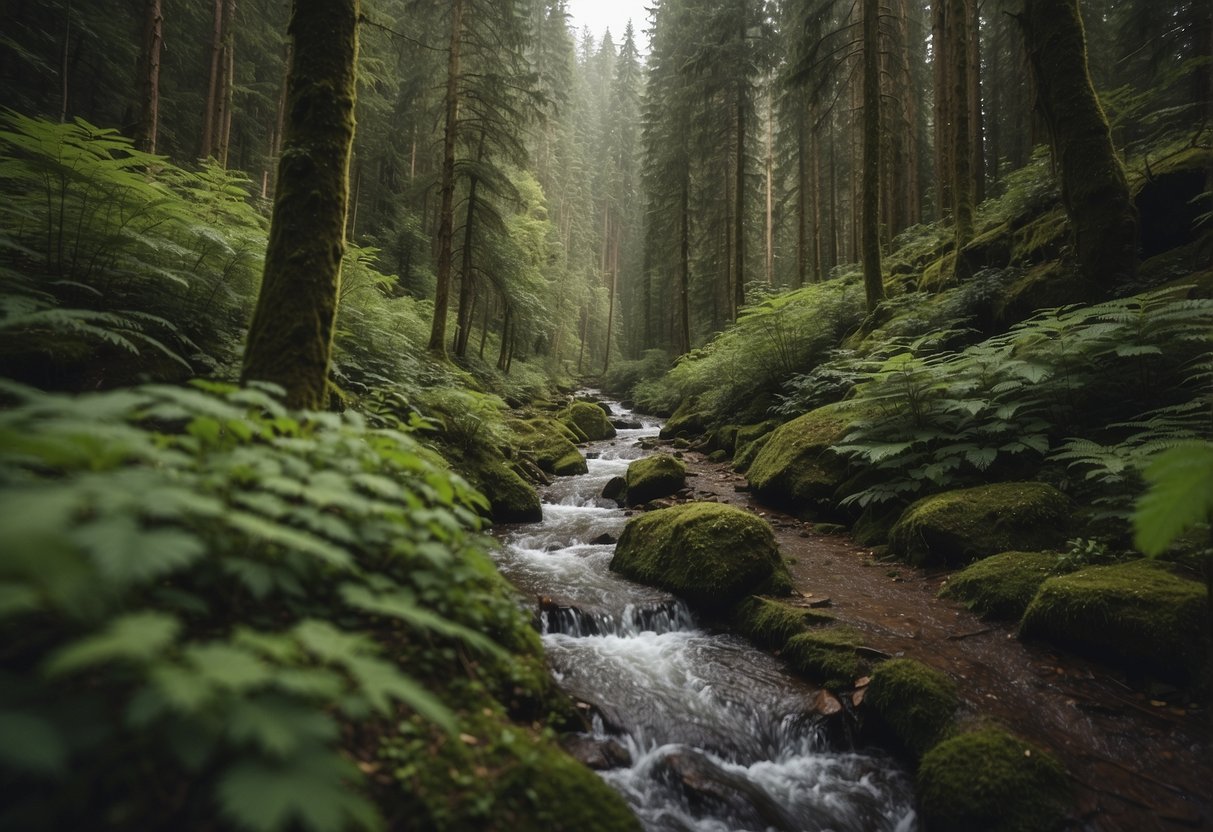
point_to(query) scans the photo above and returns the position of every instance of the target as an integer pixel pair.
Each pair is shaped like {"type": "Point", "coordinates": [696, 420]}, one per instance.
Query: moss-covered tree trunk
{"type": "Point", "coordinates": [290, 338]}
{"type": "Point", "coordinates": [1093, 185]}
{"type": "Point", "coordinates": [873, 280]}
{"type": "Point", "coordinates": [446, 216]}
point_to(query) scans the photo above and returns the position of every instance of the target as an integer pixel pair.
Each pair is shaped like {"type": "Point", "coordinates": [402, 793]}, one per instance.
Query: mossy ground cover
{"type": "Point", "coordinates": [957, 527]}
{"type": "Point", "coordinates": [770, 623]}
{"type": "Point", "coordinates": [1003, 585]}
{"type": "Point", "coordinates": [659, 475]}
{"type": "Point", "coordinates": [1138, 615]}
{"type": "Point", "coordinates": [828, 656]}
{"type": "Point", "coordinates": [712, 555]}
{"type": "Point", "coordinates": [687, 421]}
{"type": "Point", "coordinates": [915, 702]}
{"type": "Point", "coordinates": [992, 781]}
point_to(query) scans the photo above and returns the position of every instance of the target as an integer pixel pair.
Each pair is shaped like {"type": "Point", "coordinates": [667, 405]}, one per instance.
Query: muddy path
{"type": "Point", "coordinates": [1141, 757]}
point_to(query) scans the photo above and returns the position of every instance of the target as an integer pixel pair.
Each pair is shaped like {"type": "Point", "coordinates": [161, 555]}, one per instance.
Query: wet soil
{"type": "Point", "coordinates": [1140, 754]}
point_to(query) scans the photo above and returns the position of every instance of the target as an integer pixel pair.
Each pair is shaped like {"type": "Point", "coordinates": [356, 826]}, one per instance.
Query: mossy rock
{"type": "Point", "coordinates": [1001, 586]}
{"type": "Point", "coordinates": [551, 443]}
{"type": "Point", "coordinates": [992, 781]}
{"type": "Point", "coordinates": [511, 498]}
{"type": "Point", "coordinates": [659, 475]}
{"type": "Point", "coordinates": [722, 439]}
{"type": "Point", "coordinates": [828, 656]}
{"type": "Point", "coordinates": [1136, 615]}
{"type": "Point", "coordinates": [797, 467]}
{"type": "Point", "coordinates": [1049, 284]}
{"type": "Point", "coordinates": [711, 554]}
{"type": "Point", "coordinates": [743, 459]}
{"type": "Point", "coordinates": [770, 623]}
{"type": "Point", "coordinates": [938, 275]}
{"type": "Point", "coordinates": [957, 527]}
{"type": "Point", "coordinates": [915, 703]}
{"type": "Point", "coordinates": [747, 434]}
{"type": "Point", "coordinates": [590, 419]}
{"type": "Point", "coordinates": [687, 421]}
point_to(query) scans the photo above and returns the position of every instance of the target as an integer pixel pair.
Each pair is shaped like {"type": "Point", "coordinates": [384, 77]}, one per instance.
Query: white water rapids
{"type": "Point", "coordinates": [721, 738]}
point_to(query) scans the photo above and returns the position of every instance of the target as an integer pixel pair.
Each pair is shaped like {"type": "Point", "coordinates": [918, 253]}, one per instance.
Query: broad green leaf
{"type": "Point", "coordinates": [309, 791]}
{"type": "Point", "coordinates": [227, 666]}
{"type": "Point", "coordinates": [1179, 495]}
{"type": "Point", "coordinates": [136, 637]}
{"type": "Point", "coordinates": [31, 744]}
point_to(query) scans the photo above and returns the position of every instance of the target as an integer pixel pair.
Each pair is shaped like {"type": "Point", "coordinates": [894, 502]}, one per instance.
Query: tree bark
{"type": "Point", "coordinates": [212, 88]}
{"type": "Point", "coordinates": [446, 219]}
{"type": "Point", "coordinates": [463, 318]}
{"type": "Point", "coordinates": [1093, 186]}
{"type": "Point", "coordinates": [291, 335]}
{"type": "Point", "coordinates": [684, 266]}
{"type": "Point", "coordinates": [873, 281]}
{"type": "Point", "coordinates": [962, 146]}
{"type": "Point", "coordinates": [149, 77]}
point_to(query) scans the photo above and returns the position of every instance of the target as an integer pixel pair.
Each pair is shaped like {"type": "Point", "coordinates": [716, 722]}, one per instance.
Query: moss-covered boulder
{"type": "Point", "coordinates": [912, 702]}
{"type": "Point", "coordinates": [654, 476]}
{"type": "Point", "coordinates": [511, 498]}
{"type": "Point", "coordinates": [992, 781]}
{"type": "Point", "coordinates": [1136, 615]}
{"type": "Point", "coordinates": [829, 656]}
{"type": "Point", "coordinates": [747, 434]}
{"type": "Point", "coordinates": [797, 467]}
{"type": "Point", "coordinates": [744, 458]}
{"type": "Point", "coordinates": [687, 421]}
{"type": "Point", "coordinates": [589, 420]}
{"type": "Point", "coordinates": [550, 441]}
{"type": "Point", "coordinates": [771, 624]}
{"type": "Point", "coordinates": [712, 555]}
{"type": "Point", "coordinates": [957, 527]}
{"type": "Point", "coordinates": [1001, 586]}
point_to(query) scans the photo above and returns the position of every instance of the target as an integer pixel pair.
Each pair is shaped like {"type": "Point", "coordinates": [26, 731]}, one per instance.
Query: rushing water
{"type": "Point", "coordinates": [721, 738]}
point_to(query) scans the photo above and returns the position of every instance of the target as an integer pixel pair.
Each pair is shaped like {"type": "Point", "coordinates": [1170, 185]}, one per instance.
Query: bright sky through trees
{"type": "Point", "coordinates": [600, 15]}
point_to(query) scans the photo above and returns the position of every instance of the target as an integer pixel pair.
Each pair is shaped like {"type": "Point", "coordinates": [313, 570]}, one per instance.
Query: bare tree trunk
{"type": "Point", "coordinates": [802, 187]}
{"type": "Point", "coordinates": [1093, 186]}
{"type": "Point", "coordinates": [739, 197]}
{"type": "Point", "coordinates": [770, 238]}
{"type": "Point", "coordinates": [224, 126]}
{"type": "Point", "coordinates": [446, 220]}
{"type": "Point", "coordinates": [291, 335]}
{"type": "Point", "coordinates": [463, 317]}
{"type": "Point", "coordinates": [684, 266]}
{"type": "Point", "coordinates": [149, 77]}
{"type": "Point", "coordinates": [977, 142]}
{"type": "Point", "coordinates": [612, 288]}
{"type": "Point", "coordinates": [940, 63]}
{"type": "Point", "coordinates": [962, 156]}
{"type": "Point", "coordinates": [873, 281]}
{"type": "Point", "coordinates": [212, 87]}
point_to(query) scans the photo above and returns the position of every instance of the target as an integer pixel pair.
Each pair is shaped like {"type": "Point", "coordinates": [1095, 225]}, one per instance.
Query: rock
{"type": "Point", "coordinates": [992, 781]}
{"type": "Point", "coordinates": [707, 784]}
{"type": "Point", "coordinates": [550, 442]}
{"type": "Point", "coordinates": [828, 656]}
{"type": "Point", "coordinates": [626, 424]}
{"type": "Point", "coordinates": [770, 623]}
{"type": "Point", "coordinates": [832, 529]}
{"type": "Point", "coordinates": [712, 555]}
{"type": "Point", "coordinates": [957, 527]}
{"type": "Point", "coordinates": [600, 754]}
{"type": "Point", "coordinates": [653, 477]}
{"type": "Point", "coordinates": [511, 498]}
{"type": "Point", "coordinates": [1001, 586]}
{"type": "Point", "coordinates": [681, 444]}
{"type": "Point", "coordinates": [615, 488]}
{"type": "Point", "coordinates": [1139, 616]}
{"type": "Point", "coordinates": [686, 422]}
{"type": "Point", "coordinates": [911, 702]}
{"type": "Point", "coordinates": [589, 419]}
{"type": "Point", "coordinates": [718, 456]}
{"type": "Point", "coordinates": [826, 703]}
{"type": "Point", "coordinates": [593, 455]}
{"type": "Point", "coordinates": [797, 467]}
{"type": "Point", "coordinates": [747, 435]}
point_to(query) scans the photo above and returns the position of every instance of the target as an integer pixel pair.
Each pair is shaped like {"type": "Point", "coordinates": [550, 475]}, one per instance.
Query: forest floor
{"type": "Point", "coordinates": [1140, 754]}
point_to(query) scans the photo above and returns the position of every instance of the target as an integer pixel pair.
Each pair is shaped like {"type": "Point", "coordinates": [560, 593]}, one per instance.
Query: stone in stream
{"type": "Point", "coordinates": [707, 784]}
{"type": "Point", "coordinates": [590, 419]}
{"type": "Point", "coordinates": [615, 488]}
{"type": "Point", "coordinates": [626, 424]}
{"type": "Point", "coordinates": [910, 703]}
{"type": "Point", "coordinates": [600, 754]}
{"type": "Point", "coordinates": [603, 539]}
{"type": "Point", "coordinates": [654, 476]}
{"type": "Point", "coordinates": [551, 443]}
{"type": "Point", "coordinates": [711, 555]}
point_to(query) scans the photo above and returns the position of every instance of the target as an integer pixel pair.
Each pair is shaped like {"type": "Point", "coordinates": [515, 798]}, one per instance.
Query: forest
{"type": "Point", "coordinates": [775, 415]}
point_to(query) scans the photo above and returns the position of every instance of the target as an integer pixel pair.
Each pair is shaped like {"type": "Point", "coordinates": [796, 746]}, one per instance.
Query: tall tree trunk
{"type": "Point", "coordinates": [212, 87]}
{"type": "Point", "coordinates": [291, 335]}
{"type": "Point", "coordinates": [873, 281]}
{"type": "Point", "coordinates": [507, 332]}
{"type": "Point", "coordinates": [770, 237]}
{"type": "Point", "coordinates": [149, 77]}
{"type": "Point", "coordinates": [463, 318]}
{"type": "Point", "coordinates": [739, 197]}
{"type": "Point", "coordinates": [941, 62]}
{"type": "Point", "coordinates": [223, 127]}
{"type": "Point", "coordinates": [802, 188]}
{"type": "Point", "coordinates": [446, 219]}
{"type": "Point", "coordinates": [977, 142]}
{"type": "Point", "coordinates": [65, 64]}
{"type": "Point", "coordinates": [684, 266]}
{"type": "Point", "coordinates": [962, 149]}
{"type": "Point", "coordinates": [1093, 186]}
{"type": "Point", "coordinates": [612, 287]}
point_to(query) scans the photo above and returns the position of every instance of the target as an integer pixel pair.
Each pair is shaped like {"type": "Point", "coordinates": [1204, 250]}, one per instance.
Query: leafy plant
{"type": "Point", "coordinates": [198, 589]}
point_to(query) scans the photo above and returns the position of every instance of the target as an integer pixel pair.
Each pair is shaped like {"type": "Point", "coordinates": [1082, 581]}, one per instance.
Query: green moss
{"type": "Point", "coordinates": [797, 466]}
{"type": "Point", "coordinates": [992, 781]}
{"type": "Point", "coordinates": [1136, 615]}
{"type": "Point", "coordinates": [1052, 283]}
{"type": "Point", "coordinates": [551, 443]}
{"type": "Point", "coordinates": [654, 476]}
{"type": "Point", "coordinates": [769, 623]}
{"type": "Point", "coordinates": [589, 419]}
{"type": "Point", "coordinates": [722, 439]}
{"type": "Point", "coordinates": [1041, 239]}
{"type": "Point", "coordinates": [511, 498]}
{"type": "Point", "coordinates": [744, 459]}
{"type": "Point", "coordinates": [710, 554]}
{"type": "Point", "coordinates": [686, 421]}
{"type": "Point", "coordinates": [1001, 586]}
{"type": "Point", "coordinates": [827, 656]}
{"type": "Point", "coordinates": [915, 702]}
{"type": "Point", "coordinates": [495, 776]}
{"type": "Point", "coordinates": [958, 527]}
{"type": "Point", "coordinates": [938, 275]}
{"type": "Point", "coordinates": [747, 434]}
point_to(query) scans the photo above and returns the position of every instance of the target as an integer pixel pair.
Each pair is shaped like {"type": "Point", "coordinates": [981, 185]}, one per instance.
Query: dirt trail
{"type": "Point", "coordinates": [1139, 762]}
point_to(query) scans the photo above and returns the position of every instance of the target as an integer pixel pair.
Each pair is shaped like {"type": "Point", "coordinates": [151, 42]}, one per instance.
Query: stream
{"type": "Point", "coordinates": [720, 737]}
